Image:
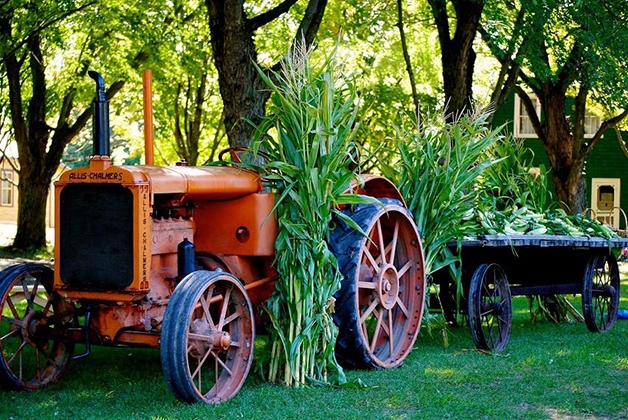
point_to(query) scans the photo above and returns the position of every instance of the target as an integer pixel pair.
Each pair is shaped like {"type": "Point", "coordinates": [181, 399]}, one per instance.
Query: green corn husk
{"type": "Point", "coordinates": [437, 171]}
{"type": "Point", "coordinates": [307, 139]}
{"type": "Point", "coordinates": [511, 200]}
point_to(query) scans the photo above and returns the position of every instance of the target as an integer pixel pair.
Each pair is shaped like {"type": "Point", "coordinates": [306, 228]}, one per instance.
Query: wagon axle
{"type": "Point", "coordinates": [491, 308]}
{"type": "Point", "coordinates": [606, 291]}
{"type": "Point", "coordinates": [204, 338]}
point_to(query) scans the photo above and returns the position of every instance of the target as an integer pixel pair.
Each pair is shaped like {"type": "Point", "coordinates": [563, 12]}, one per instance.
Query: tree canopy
{"type": "Point", "coordinates": [562, 50]}
{"type": "Point", "coordinates": [204, 56]}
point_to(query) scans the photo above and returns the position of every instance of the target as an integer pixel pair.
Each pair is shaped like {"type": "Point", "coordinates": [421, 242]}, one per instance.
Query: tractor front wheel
{"type": "Point", "coordinates": [207, 337]}
{"type": "Point", "coordinates": [34, 351]}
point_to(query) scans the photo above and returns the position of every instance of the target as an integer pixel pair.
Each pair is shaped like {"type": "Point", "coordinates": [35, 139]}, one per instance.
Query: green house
{"type": "Point", "coordinates": [606, 170]}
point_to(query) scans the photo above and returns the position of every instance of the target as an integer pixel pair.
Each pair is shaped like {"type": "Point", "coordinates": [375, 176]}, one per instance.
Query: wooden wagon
{"type": "Point", "coordinates": [497, 267]}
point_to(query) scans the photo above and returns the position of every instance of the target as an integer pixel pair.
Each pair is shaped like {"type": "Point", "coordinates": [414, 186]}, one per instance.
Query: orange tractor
{"type": "Point", "coordinates": [178, 258]}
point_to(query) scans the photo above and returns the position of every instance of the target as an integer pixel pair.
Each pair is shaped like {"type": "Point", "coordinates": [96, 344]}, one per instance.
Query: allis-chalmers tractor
{"type": "Point", "coordinates": [178, 258]}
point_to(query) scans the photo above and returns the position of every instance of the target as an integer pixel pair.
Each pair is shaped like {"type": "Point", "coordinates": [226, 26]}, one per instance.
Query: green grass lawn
{"type": "Point", "coordinates": [547, 371]}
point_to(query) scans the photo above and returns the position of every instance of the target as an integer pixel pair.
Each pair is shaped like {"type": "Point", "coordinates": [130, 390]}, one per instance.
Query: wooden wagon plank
{"type": "Point", "coordinates": [544, 241]}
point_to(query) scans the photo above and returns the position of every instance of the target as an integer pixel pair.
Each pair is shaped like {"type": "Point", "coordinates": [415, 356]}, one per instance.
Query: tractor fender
{"type": "Point", "coordinates": [375, 186]}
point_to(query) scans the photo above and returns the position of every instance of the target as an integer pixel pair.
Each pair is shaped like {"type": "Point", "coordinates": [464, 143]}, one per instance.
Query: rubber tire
{"type": "Point", "coordinates": [174, 339]}
{"type": "Point", "coordinates": [352, 349]}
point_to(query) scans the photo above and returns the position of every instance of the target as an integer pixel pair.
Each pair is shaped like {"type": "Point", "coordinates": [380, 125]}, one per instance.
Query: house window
{"type": "Point", "coordinates": [6, 188]}
{"type": "Point", "coordinates": [591, 125]}
{"type": "Point", "coordinates": [523, 125]}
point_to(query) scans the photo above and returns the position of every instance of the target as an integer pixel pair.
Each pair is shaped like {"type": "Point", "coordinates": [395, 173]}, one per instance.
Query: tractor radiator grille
{"type": "Point", "coordinates": [96, 236]}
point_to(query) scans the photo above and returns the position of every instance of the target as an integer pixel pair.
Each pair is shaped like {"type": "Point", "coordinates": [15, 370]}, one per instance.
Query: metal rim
{"type": "Point", "coordinates": [34, 349]}
{"type": "Point", "coordinates": [208, 338]}
{"type": "Point", "coordinates": [600, 292]}
{"type": "Point", "coordinates": [490, 308]}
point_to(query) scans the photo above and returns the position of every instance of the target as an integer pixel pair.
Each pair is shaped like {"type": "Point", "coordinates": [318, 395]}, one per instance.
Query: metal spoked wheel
{"type": "Point", "coordinates": [490, 308]}
{"type": "Point", "coordinates": [600, 292]}
{"type": "Point", "coordinates": [380, 303]}
{"type": "Point", "coordinates": [207, 337]}
{"type": "Point", "coordinates": [34, 349]}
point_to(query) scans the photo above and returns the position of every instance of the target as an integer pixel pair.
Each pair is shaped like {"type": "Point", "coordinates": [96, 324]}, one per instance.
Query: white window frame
{"type": "Point", "coordinates": [591, 124]}
{"type": "Point", "coordinates": [520, 114]}
{"type": "Point", "coordinates": [6, 188]}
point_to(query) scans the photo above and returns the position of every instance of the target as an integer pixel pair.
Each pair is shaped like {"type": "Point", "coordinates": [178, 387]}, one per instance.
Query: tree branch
{"type": "Point", "coordinates": [578, 124]}
{"type": "Point", "coordinates": [531, 111]}
{"type": "Point", "coordinates": [621, 141]}
{"type": "Point", "coordinates": [439, 11]}
{"type": "Point", "coordinates": [66, 106]}
{"type": "Point", "coordinates": [610, 123]}
{"type": "Point", "coordinates": [178, 135]}
{"type": "Point", "coordinates": [310, 23]}
{"type": "Point", "coordinates": [567, 73]}
{"type": "Point", "coordinates": [45, 25]}
{"type": "Point", "coordinates": [406, 57]}
{"type": "Point", "coordinates": [267, 17]}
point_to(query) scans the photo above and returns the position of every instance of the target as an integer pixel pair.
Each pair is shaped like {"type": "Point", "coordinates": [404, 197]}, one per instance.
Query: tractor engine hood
{"type": "Point", "coordinates": [198, 182]}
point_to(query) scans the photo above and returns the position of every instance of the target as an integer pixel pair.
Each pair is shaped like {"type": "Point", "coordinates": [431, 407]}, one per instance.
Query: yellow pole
{"type": "Point", "coordinates": [147, 77]}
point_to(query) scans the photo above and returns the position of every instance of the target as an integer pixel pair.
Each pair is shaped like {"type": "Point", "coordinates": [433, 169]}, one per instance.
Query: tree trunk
{"type": "Point", "coordinates": [39, 153]}
{"type": "Point", "coordinates": [244, 94]}
{"type": "Point", "coordinates": [235, 56]}
{"type": "Point", "coordinates": [566, 157]}
{"type": "Point", "coordinates": [31, 223]}
{"type": "Point", "coordinates": [570, 188]}
{"type": "Point", "coordinates": [457, 54]}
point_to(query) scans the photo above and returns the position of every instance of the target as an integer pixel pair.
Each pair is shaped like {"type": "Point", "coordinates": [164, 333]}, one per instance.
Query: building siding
{"type": "Point", "coordinates": [9, 213]}
{"type": "Point", "coordinates": [606, 160]}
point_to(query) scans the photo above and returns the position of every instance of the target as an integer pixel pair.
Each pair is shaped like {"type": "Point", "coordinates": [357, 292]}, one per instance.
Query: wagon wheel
{"type": "Point", "coordinates": [600, 292]}
{"type": "Point", "coordinates": [34, 349]}
{"type": "Point", "coordinates": [490, 308]}
{"type": "Point", "coordinates": [380, 303]}
{"type": "Point", "coordinates": [207, 337]}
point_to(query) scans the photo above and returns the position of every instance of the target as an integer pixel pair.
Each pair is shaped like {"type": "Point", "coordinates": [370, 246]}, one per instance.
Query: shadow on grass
{"type": "Point", "coordinates": [43, 254]}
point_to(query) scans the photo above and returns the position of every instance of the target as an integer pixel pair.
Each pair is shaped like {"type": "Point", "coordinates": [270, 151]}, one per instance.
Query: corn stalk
{"type": "Point", "coordinates": [307, 139]}
{"type": "Point", "coordinates": [438, 168]}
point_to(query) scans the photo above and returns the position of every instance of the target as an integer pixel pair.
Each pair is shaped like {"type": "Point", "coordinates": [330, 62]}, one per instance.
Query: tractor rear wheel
{"type": "Point", "coordinates": [207, 337]}
{"type": "Point", "coordinates": [380, 303]}
{"type": "Point", "coordinates": [34, 351]}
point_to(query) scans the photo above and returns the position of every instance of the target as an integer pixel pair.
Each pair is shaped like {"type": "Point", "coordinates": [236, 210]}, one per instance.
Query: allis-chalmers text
{"type": "Point", "coordinates": [110, 176]}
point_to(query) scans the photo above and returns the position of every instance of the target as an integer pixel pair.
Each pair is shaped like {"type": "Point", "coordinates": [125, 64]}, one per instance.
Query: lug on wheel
{"type": "Point", "coordinates": [380, 304]}
{"type": "Point", "coordinates": [207, 337]}
{"type": "Point", "coordinates": [600, 292]}
{"type": "Point", "coordinates": [34, 349]}
{"type": "Point", "coordinates": [490, 308]}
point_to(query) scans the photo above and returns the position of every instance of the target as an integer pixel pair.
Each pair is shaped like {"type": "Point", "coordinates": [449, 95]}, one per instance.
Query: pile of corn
{"type": "Point", "coordinates": [522, 220]}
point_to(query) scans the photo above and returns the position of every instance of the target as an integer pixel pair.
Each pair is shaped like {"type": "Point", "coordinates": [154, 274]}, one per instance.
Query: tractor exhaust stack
{"type": "Point", "coordinates": [101, 117]}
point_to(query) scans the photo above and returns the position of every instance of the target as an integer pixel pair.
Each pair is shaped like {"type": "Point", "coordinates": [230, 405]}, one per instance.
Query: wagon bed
{"type": "Point", "coordinates": [496, 267]}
